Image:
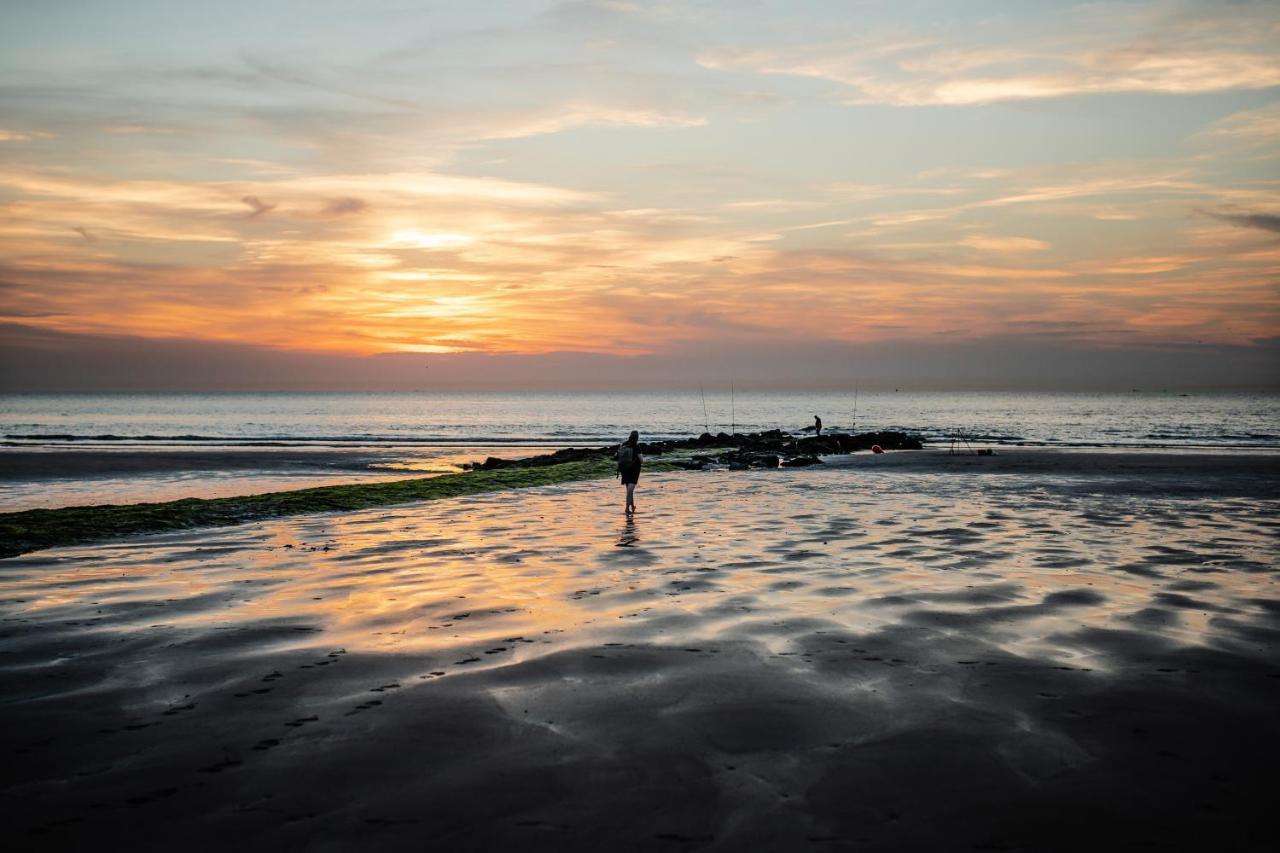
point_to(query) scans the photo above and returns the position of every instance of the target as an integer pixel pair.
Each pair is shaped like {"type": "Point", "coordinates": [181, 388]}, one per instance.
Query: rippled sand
{"type": "Point", "coordinates": [925, 655]}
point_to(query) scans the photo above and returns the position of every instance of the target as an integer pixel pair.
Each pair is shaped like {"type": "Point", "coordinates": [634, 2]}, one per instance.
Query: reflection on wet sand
{"type": "Point", "coordinates": [628, 536]}
{"type": "Point", "coordinates": [822, 658]}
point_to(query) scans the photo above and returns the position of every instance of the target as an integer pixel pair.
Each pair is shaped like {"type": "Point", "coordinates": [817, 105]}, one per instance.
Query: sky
{"type": "Point", "coordinates": [570, 194]}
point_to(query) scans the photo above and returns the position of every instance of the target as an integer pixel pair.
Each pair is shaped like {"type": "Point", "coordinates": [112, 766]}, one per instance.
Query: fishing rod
{"type": "Point", "coordinates": [706, 421]}
{"type": "Point", "coordinates": [733, 413]}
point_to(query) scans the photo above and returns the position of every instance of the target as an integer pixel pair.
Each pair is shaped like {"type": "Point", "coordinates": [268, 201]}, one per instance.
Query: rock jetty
{"type": "Point", "coordinates": [771, 449]}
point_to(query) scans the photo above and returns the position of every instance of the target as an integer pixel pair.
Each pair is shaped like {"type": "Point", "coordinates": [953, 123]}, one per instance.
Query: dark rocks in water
{"type": "Point", "coordinates": [821, 444]}
{"type": "Point", "coordinates": [578, 454]}
{"type": "Point", "coordinates": [779, 442]}
{"type": "Point", "coordinates": [567, 454]}
{"type": "Point", "coordinates": [778, 449]}
{"type": "Point", "coordinates": [697, 462]}
{"type": "Point", "coordinates": [761, 460]}
{"type": "Point", "coordinates": [770, 449]}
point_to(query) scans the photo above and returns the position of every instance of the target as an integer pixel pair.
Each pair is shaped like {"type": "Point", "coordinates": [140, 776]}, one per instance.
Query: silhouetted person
{"type": "Point", "coordinates": [629, 462]}
{"type": "Point", "coordinates": [817, 425]}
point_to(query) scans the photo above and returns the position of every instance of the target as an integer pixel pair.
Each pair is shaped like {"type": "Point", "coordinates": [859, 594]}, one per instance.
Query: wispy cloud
{"type": "Point", "coordinates": [1169, 48]}
{"type": "Point", "coordinates": [988, 243]}
{"type": "Point", "coordinates": [138, 129]}
{"type": "Point", "coordinates": [1242, 219]}
{"type": "Point", "coordinates": [343, 206]}
{"type": "Point", "coordinates": [1257, 127]}
{"type": "Point", "coordinates": [257, 207]}
{"type": "Point", "coordinates": [23, 135]}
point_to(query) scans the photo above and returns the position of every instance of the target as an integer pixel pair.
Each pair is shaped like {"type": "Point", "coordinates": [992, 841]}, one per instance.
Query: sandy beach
{"type": "Point", "coordinates": [1040, 650]}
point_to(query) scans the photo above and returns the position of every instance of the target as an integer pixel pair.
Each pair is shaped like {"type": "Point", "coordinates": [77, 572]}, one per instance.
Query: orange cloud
{"type": "Point", "coordinates": [427, 261]}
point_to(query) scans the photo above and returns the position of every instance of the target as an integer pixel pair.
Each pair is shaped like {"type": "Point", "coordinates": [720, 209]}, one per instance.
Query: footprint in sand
{"type": "Point", "coordinates": [364, 706]}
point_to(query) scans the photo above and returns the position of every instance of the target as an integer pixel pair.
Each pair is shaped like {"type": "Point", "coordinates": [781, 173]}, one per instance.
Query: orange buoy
{"type": "Point", "coordinates": [875, 448]}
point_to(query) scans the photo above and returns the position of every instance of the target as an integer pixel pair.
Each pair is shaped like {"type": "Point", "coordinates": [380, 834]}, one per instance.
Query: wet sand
{"type": "Point", "coordinates": [50, 478]}
{"type": "Point", "coordinates": [899, 652]}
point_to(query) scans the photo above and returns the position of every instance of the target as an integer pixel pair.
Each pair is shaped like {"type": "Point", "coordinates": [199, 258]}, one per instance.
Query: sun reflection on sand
{"type": "Point", "coordinates": [452, 580]}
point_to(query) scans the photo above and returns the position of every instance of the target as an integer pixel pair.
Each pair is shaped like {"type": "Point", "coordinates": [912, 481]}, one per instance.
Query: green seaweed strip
{"type": "Point", "coordinates": [32, 530]}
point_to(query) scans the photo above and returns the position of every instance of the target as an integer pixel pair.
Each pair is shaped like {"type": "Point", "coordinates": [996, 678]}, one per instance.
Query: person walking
{"type": "Point", "coordinates": [629, 462]}
{"type": "Point", "coordinates": [817, 425]}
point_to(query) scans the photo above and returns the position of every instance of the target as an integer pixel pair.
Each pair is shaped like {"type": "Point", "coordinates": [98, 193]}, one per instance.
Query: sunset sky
{"type": "Point", "coordinates": [338, 180]}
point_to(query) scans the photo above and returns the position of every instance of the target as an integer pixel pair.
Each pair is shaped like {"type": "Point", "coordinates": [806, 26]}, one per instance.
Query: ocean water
{"type": "Point", "coordinates": [175, 420]}
{"type": "Point", "coordinates": [79, 449]}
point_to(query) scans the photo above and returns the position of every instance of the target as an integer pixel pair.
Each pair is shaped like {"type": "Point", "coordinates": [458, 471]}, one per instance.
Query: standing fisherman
{"type": "Point", "coordinates": [817, 425]}
{"type": "Point", "coordinates": [629, 462]}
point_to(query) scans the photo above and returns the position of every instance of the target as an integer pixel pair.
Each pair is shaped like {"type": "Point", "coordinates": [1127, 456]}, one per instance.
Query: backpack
{"type": "Point", "coordinates": [626, 456]}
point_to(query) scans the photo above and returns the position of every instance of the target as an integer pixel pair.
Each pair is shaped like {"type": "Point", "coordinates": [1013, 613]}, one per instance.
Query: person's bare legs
{"type": "Point", "coordinates": [631, 497]}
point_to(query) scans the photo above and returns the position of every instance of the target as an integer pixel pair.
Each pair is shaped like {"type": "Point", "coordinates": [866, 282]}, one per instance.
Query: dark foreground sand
{"type": "Point", "coordinates": [912, 653]}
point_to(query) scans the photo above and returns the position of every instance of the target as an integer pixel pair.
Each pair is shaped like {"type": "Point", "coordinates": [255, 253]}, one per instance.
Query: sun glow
{"type": "Point", "coordinates": [416, 239]}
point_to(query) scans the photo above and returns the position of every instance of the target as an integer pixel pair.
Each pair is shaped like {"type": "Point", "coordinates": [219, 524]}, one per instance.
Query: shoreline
{"type": "Point", "coordinates": [24, 531]}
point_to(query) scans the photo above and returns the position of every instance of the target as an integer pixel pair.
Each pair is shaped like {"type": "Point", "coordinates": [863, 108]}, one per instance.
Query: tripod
{"type": "Point", "coordinates": [960, 446]}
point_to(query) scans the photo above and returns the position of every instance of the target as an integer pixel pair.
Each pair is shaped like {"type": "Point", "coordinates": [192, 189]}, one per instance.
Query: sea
{"type": "Point", "coordinates": [64, 449]}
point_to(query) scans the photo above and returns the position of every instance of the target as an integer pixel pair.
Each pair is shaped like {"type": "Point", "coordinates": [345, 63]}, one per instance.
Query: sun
{"type": "Point", "coordinates": [413, 238]}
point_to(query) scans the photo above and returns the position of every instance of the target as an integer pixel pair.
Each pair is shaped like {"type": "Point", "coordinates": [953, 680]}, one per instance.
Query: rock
{"type": "Point", "coordinates": [755, 450]}
{"type": "Point", "coordinates": [818, 445]}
